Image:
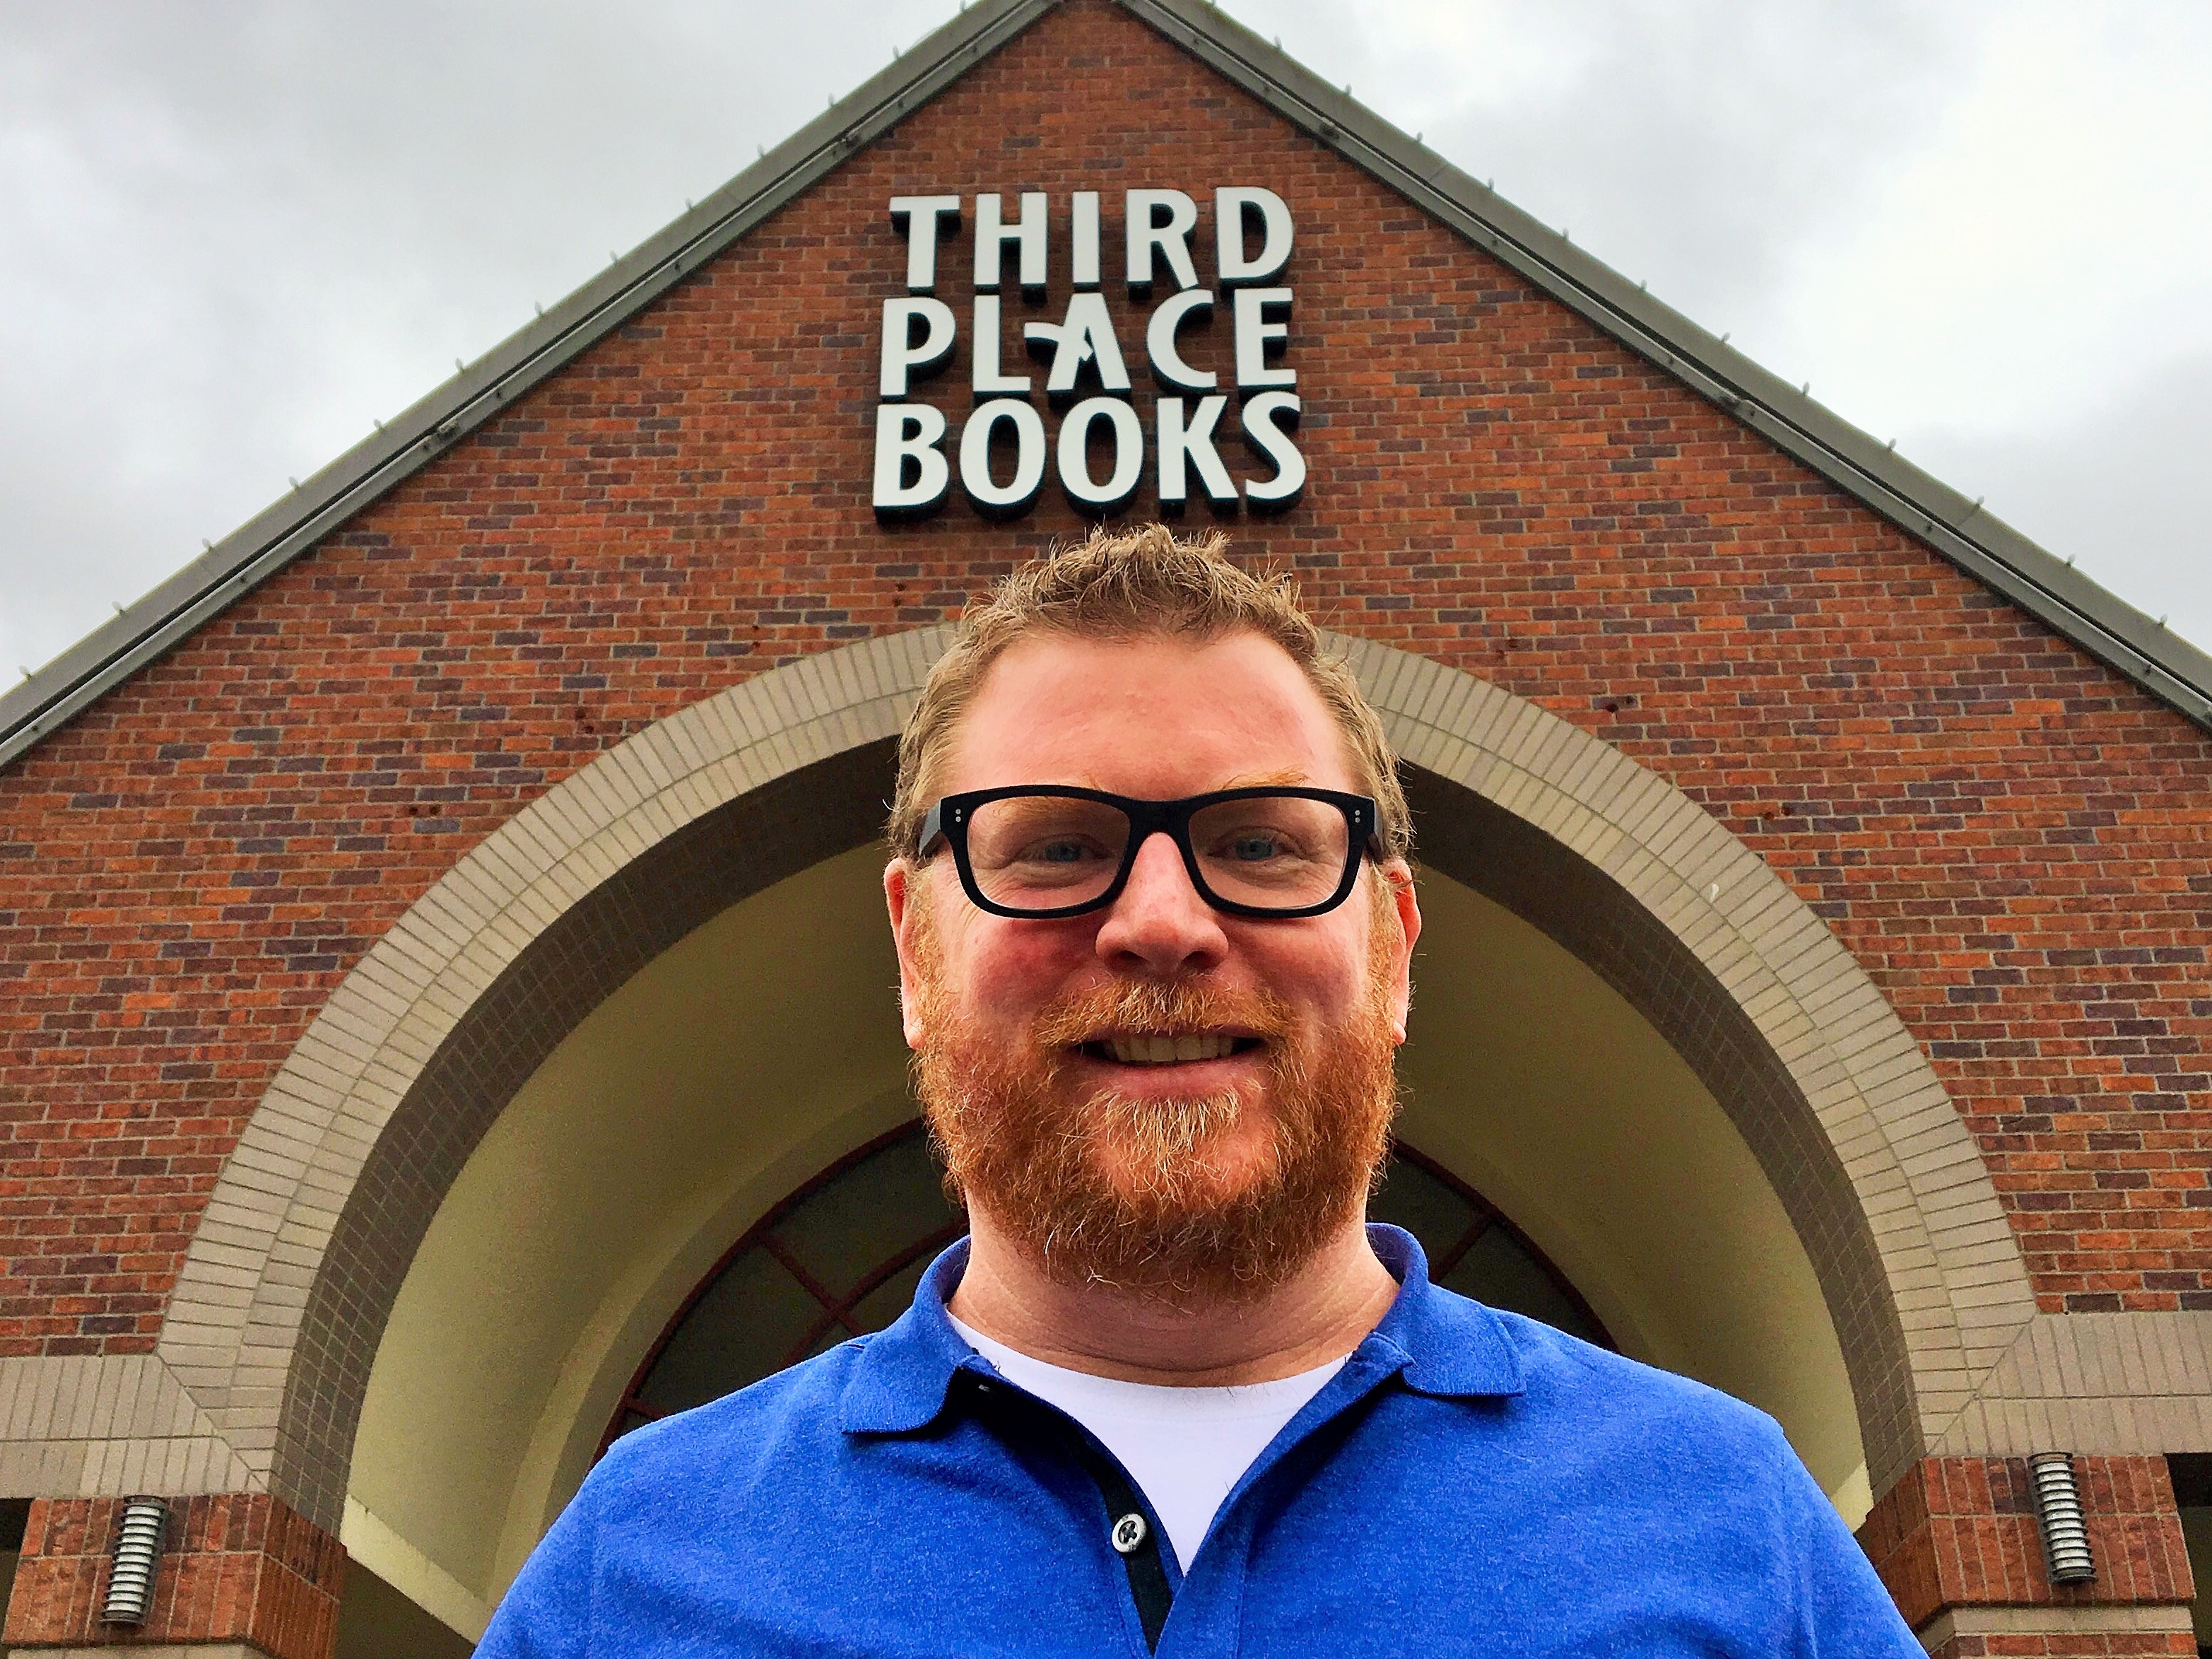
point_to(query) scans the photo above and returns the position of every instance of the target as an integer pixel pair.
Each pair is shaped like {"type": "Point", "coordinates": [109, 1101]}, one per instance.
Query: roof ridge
{"type": "Point", "coordinates": [2109, 629]}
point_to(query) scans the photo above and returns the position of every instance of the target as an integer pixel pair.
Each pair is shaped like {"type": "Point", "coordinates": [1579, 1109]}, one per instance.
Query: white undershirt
{"type": "Point", "coordinates": [1185, 1447]}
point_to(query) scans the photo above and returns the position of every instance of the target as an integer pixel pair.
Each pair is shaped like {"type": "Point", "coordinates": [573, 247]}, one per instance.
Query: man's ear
{"type": "Point", "coordinates": [1398, 876]}
{"type": "Point", "coordinates": [903, 893]}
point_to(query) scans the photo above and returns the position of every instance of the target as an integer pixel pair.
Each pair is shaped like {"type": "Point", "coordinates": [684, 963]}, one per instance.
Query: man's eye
{"type": "Point", "coordinates": [1058, 851]}
{"type": "Point", "coordinates": [1258, 846]}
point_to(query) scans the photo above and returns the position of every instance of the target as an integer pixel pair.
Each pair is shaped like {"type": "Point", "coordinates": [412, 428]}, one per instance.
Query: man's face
{"type": "Point", "coordinates": [1200, 1175]}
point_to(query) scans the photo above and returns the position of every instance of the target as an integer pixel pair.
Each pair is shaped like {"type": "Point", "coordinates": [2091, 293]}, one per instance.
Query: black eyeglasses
{"type": "Point", "coordinates": [1041, 852]}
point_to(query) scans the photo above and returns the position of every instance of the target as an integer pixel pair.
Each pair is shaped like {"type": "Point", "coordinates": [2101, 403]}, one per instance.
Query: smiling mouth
{"type": "Point", "coordinates": [1163, 1049]}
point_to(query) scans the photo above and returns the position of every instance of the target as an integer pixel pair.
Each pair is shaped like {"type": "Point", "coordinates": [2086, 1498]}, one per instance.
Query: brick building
{"type": "Point", "coordinates": [443, 994]}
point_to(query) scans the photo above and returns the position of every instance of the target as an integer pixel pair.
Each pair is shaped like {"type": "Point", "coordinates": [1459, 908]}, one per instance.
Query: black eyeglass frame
{"type": "Point", "coordinates": [949, 818]}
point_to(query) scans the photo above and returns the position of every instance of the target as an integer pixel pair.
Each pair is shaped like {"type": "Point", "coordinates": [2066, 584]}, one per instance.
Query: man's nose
{"type": "Point", "coordinates": [1161, 923]}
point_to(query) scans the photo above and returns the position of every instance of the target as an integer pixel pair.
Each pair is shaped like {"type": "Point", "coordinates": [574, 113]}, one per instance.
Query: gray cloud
{"type": "Point", "coordinates": [1689, 144]}
{"type": "Point", "coordinates": [234, 232]}
{"type": "Point", "coordinates": [2119, 489]}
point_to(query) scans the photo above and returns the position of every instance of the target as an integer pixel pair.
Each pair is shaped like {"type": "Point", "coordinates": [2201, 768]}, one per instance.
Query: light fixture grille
{"type": "Point", "coordinates": [139, 1540]}
{"type": "Point", "coordinates": [2058, 1511]}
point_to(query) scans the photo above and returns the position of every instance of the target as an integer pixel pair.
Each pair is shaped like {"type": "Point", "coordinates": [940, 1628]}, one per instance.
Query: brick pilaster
{"type": "Point", "coordinates": [239, 1568]}
{"type": "Point", "coordinates": [1957, 1543]}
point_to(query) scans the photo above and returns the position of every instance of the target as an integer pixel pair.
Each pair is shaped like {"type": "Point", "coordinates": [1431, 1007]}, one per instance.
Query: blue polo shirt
{"type": "Point", "coordinates": [1471, 1483]}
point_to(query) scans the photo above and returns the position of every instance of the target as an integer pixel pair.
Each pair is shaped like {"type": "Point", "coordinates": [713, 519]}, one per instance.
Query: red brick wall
{"type": "Point", "coordinates": [2007, 835]}
{"type": "Point", "coordinates": [1962, 1532]}
{"type": "Point", "coordinates": [237, 1567]}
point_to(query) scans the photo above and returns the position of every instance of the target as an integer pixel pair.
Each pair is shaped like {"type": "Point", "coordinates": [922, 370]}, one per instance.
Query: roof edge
{"type": "Point", "coordinates": [2142, 650]}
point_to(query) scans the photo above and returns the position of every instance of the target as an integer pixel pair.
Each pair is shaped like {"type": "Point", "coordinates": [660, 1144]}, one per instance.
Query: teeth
{"type": "Point", "coordinates": [1169, 1050]}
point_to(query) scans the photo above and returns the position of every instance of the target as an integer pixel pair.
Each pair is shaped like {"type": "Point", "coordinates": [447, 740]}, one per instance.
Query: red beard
{"type": "Point", "coordinates": [1163, 1197]}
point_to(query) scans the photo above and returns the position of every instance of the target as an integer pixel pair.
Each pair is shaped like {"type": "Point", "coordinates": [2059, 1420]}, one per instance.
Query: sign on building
{"type": "Point", "coordinates": [1057, 397]}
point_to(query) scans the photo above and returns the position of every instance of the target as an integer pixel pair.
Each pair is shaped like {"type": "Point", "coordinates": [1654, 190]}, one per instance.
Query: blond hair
{"type": "Point", "coordinates": [1137, 583]}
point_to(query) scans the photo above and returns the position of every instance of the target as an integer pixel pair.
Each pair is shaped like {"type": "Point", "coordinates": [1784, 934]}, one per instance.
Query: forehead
{"type": "Point", "coordinates": [1152, 717]}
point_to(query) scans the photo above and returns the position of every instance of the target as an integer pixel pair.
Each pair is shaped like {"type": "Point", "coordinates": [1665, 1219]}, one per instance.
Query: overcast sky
{"type": "Point", "coordinates": [232, 234]}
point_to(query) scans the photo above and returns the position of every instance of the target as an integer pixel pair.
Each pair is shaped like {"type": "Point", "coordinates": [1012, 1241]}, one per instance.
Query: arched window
{"type": "Point", "coordinates": [842, 1256]}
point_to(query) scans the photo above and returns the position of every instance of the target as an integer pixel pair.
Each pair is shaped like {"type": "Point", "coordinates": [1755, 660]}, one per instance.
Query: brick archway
{"type": "Point", "coordinates": [278, 1312]}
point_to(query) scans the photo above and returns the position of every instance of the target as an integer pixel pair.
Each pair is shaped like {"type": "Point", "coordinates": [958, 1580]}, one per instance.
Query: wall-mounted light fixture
{"type": "Point", "coordinates": [2059, 1512]}
{"type": "Point", "coordinates": [138, 1542]}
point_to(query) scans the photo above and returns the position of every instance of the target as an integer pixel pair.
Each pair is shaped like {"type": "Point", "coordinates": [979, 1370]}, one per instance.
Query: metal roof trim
{"type": "Point", "coordinates": [2114, 632]}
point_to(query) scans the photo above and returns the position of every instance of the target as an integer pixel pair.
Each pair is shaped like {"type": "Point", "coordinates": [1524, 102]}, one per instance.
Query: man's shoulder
{"type": "Point", "coordinates": [791, 1415]}
{"type": "Point", "coordinates": [1580, 1392]}
{"type": "Point", "coordinates": [1646, 1461]}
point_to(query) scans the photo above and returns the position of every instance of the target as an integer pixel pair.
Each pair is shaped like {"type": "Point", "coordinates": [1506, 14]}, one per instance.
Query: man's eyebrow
{"type": "Point", "coordinates": [1278, 780]}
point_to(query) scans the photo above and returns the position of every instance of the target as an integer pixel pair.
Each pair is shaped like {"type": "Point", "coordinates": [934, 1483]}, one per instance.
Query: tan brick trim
{"type": "Point", "coordinates": [1947, 1279]}
{"type": "Point", "coordinates": [91, 1426]}
{"type": "Point", "coordinates": [2098, 1619]}
{"type": "Point", "coordinates": [233, 1327]}
{"type": "Point", "coordinates": [2094, 1382]}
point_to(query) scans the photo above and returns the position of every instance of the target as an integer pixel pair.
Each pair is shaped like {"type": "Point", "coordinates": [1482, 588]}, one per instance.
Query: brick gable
{"type": "Point", "coordinates": [2006, 834]}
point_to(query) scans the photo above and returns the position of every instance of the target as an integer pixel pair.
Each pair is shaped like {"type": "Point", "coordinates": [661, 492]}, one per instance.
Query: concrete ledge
{"type": "Point", "coordinates": [105, 1426]}
{"type": "Point", "coordinates": [2101, 1383]}
{"type": "Point", "coordinates": [2102, 1620]}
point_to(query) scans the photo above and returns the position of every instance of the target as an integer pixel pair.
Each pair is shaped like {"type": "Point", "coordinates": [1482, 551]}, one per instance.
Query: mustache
{"type": "Point", "coordinates": [1161, 1005]}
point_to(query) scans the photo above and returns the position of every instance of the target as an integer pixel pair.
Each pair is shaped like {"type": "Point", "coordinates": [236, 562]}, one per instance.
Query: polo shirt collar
{"type": "Point", "coordinates": [1446, 1346]}
{"type": "Point", "coordinates": [1442, 1346]}
{"type": "Point", "coordinates": [900, 1381]}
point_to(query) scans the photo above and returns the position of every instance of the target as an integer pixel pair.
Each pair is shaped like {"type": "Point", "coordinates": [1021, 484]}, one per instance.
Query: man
{"type": "Point", "coordinates": [1154, 921]}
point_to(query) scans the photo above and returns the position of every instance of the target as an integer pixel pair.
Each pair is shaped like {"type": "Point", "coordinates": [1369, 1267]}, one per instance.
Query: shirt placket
{"type": "Point", "coordinates": [1128, 1525]}
{"type": "Point", "coordinates": [1132, 1529]}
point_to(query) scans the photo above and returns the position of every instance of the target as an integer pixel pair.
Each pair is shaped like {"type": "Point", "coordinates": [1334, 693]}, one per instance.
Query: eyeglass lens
{"type": "Point", "coordinates": [1044, 852]}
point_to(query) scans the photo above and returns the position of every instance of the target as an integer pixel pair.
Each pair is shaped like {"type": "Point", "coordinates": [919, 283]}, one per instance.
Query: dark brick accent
{"type": "Point", "coordinates": [1480, 845]}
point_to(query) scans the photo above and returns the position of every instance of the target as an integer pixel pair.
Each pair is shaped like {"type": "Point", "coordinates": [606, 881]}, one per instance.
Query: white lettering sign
{"type": "Point", "coordinates": [909, 432]}
{"type": "Point", "coordinates": [993, 499]}
{"type": "Point", "coordinates": [1208, 350]}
